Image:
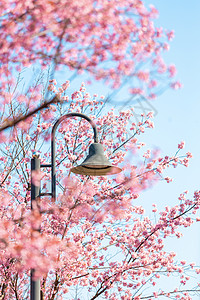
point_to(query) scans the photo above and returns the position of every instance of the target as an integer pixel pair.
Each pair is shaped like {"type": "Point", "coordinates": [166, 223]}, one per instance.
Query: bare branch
{"type": "Point", "coordinates": [21, 118]}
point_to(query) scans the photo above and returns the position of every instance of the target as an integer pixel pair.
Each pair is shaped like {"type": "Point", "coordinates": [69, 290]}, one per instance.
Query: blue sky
{"type": "Point", "coordinates": [178, 111]}
{"type": "Point", "coordinates": [178, 115]}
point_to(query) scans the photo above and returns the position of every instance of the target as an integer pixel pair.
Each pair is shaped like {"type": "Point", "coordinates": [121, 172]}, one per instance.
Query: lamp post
{"type": "Point", "coordinates": [95, 164]}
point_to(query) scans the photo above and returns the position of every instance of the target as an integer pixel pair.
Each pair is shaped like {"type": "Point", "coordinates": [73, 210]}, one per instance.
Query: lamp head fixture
{"type": "Point", "coordinates": [96, 164]}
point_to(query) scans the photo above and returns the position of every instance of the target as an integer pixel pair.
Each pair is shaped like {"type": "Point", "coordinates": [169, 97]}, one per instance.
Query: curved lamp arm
{"type": "Point", "coordinates": [53, 164]}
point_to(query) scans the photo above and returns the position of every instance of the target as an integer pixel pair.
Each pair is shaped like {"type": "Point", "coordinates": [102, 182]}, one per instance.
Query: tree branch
{"type": "Point", "coordinates": [21, 118]}
{"type": "Point", "coordinates": [173, 292]}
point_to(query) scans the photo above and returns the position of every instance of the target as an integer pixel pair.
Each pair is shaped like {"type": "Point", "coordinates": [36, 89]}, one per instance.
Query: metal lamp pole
{"type": "Point", "coordinates": [96, 164]}
{"type": "Point", "coordinates": [35, 192]}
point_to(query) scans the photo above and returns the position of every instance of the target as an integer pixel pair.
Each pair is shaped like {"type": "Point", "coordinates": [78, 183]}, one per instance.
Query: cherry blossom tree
{"type": "Point", "coordinates": [96, 240]}
{"type": "Point", "coordinates": [112, 41]}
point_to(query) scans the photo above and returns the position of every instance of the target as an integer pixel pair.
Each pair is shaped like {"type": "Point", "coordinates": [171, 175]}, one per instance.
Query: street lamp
{"type": "Point", "coordinates": [95, 164]}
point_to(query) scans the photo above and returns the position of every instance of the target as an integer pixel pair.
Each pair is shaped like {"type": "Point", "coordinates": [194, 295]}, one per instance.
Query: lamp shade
{"type": "Point", "coordinates": [96, 164]}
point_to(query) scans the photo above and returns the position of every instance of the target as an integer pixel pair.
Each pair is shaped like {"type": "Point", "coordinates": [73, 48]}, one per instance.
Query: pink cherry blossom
{"type": "Point", "coordinates": [181, 145]}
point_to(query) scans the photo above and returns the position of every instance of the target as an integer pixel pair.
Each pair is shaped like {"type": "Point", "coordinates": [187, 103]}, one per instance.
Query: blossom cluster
{"type": "Point", "coordinates": [86, 36]}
